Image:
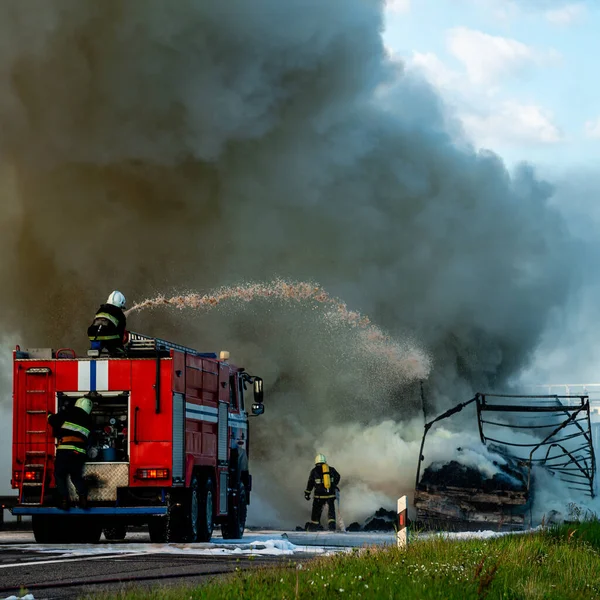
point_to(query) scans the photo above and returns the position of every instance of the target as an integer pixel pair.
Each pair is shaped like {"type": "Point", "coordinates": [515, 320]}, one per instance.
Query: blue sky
{"type": "Point", "coordinates": [521, 75]}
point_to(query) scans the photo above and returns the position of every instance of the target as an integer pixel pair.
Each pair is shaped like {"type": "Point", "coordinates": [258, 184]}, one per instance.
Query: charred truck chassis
{"type": "Point", "coordinates": [564, 448]}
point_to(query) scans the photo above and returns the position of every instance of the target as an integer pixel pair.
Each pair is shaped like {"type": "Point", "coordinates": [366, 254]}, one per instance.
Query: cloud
{"type": "Point", "coordinates": [434, 69]}
{"type": "Point", "coordinates": [513, 122]}
{"type": "Point", "coordinates": [489, 59]}
{"type": "Point", "coordinates": [487, 119]}
{"type": "Point", "coordinates": [566, 15]}
{"type": "Point", "coordinates": [398, 6]}
{"type": "Point", "coordinates": [592, 129]}
{"type": "Point", "coordinates": [504, 10]}
{"type": "Point", "coordinates": [556, 11]}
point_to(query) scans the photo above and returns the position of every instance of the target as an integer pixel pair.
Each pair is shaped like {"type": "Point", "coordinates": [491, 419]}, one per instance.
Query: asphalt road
{"type": "Point", "coordinates": [58, 575]}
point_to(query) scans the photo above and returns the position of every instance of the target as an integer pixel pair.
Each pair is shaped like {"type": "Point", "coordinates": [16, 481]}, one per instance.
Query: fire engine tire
{"type": "Point", "coordinates": [44, 529]}
{"type": "Point", "coordinates": [192, 517]}
{"type": "Point", "coordinates": [174, 527]}
{"type": "Point", "coordinates": [63, 530]}
{"type": "Point", "coordinates": [205, 512]}
{"type": "Point", "coordinates": [115, 532]}
{"type": "Point", "coordinates": [233, 528]}
{"type": "Point", "coordinates": [157, 527]}
{"type": "Point", "coordinates": [89, 532]}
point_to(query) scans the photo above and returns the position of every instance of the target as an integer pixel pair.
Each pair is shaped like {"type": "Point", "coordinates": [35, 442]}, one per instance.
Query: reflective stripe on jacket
{"type": "Point", "coordinates": [111, 318]}
{"type": "Point", "coordinates": [70, 447]}
{"type": "Point", "coordinates": [109, 324]}
{"type": "Point", "coordinates": [72, 425]}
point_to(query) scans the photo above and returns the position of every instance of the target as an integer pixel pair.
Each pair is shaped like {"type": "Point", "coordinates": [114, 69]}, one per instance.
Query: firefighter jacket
{"type": "Point", "coordinates": [109, 324]}
{"type": "Point", "coordinates": [72, 428]}
{"type": "Point", "coordinates": [324, 479]}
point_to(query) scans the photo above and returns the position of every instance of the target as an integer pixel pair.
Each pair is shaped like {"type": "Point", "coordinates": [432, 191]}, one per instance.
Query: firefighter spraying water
{"type": "Point", "coordinates": [107, 330]}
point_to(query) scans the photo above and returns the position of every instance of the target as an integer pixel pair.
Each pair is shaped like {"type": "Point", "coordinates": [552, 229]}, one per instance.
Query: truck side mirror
{"type": "Point", "coordinates": [258, 390]}
{"type": "Point", "coordinates": [258, 409]}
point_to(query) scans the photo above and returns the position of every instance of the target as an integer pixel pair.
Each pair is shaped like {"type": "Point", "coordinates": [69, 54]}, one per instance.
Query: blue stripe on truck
{"type": "Point", "coordinates": [92, 375]}
{"type": "Point", "coordinates": [96, 510]}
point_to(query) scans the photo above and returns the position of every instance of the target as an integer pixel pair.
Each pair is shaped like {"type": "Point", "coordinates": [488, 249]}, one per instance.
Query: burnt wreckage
{"type": "Point", "coordinates": [555, 434]}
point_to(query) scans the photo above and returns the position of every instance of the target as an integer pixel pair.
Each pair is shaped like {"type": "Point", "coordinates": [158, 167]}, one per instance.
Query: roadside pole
{"type": "Point", "coordinates": [402, 533]}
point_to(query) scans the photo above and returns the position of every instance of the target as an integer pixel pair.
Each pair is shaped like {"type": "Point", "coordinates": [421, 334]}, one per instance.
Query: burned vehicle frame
{"type": "Point", "coordinates": [454, 496]}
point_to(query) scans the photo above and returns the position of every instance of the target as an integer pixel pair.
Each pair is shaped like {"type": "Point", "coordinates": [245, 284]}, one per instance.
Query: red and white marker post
{"type": "Point", "coordinates": [402, 533]}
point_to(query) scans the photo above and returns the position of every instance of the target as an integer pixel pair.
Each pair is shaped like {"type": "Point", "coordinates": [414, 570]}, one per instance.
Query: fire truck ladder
{"type": "Point", "coordinates": [33, 476]}
{"type": "Point", "coordinates": [143, 343]}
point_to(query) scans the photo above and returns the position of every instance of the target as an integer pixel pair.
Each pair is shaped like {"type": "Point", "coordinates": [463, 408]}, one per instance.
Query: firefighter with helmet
{"type": "Point", "coordinates": [324, 480]}
{"type": "Point", "coordinates": [108, 328]}
{"type": "Point", "coordinates": [72, 428]}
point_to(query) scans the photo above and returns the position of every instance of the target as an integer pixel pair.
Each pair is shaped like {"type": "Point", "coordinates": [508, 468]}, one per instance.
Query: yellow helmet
{"type": "Point", "coordinates": [320, 458]}
{"type": "Point", "coordinates": [86, 404]}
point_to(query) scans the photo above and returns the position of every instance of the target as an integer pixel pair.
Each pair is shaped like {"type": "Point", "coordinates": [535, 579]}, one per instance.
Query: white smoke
{"type": "Point", "coordinates": [152, 146]}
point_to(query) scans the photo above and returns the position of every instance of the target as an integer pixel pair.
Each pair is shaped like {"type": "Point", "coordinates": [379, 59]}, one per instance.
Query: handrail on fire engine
{"type": "Point", "coordinates": [158, 344]}
{"type": "Point", "coordinates": [135, 421]}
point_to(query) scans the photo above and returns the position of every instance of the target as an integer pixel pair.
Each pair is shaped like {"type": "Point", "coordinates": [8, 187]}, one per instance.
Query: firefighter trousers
{"type": "Point", "coordinates": [317, 509]}
{"type": "Point", "coordinates": [70, 464]}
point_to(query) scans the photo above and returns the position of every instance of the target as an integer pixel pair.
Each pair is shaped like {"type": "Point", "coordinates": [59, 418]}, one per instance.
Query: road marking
{"type": "Point", "coordinates": [96, 557]}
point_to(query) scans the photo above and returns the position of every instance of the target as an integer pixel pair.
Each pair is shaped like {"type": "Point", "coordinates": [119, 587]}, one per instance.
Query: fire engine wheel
{"type": "Point", "coordinates": [233, 528]}
{"type": "Point", "coordinates": [62, 530]}
{"type": "Point", "coordinates": [115, 532]}
{"type": "Point", "coordinates": [175, 527]}
{"type": "Point", "coordinates": [205, 511]}
{"type": "Point", "coordinates": [157, 527]}
{"type": "Point", "coordinates": [44, 529]}
{"type": "Point", "coordinates": [89, 532]}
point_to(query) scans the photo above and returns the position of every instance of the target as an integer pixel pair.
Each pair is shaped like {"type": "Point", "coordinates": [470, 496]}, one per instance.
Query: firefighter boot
{"type": "Point", "coordinates": [64, 504]}
{"type": "Point", "coordinates": [83, 503]}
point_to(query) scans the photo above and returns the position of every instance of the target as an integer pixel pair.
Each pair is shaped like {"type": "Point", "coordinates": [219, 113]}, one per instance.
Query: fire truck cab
{"type": "Point", "coordinates": [169, 447]}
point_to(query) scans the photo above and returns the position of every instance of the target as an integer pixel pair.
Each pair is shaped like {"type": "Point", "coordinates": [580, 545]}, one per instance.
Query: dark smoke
{"type": "Point", "coordinates": [155, 146]}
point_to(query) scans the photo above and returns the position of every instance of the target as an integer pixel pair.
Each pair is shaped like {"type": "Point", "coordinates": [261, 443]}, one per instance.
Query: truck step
{"type": "Point", "coordinates": [35, 391]}
{"type": "Point", "coordinates": [35, 452]}
{"type": "Point", "coordinates": [26, 483]}
{"type": "Point", "coordinates": [34, 466]}
{"type": "Point", "coordinates": [35, 412]}
{"type": "Point", "coordinates": [35, 432]}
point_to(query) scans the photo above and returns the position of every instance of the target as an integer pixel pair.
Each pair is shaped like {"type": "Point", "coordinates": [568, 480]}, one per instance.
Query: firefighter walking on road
{"type": "Point", "coordinates": [324, 480]}
{"type": "Point", "coordinates": [72, 428]}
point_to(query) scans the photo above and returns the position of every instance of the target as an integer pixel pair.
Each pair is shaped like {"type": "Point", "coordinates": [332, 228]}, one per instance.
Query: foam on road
{"type": "Point", "coordinates": [262, 544]}
{"type": "Point", "coordinates": [266, 543]}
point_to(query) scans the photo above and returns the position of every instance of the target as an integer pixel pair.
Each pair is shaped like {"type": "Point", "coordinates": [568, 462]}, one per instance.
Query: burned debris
{"type": "Point", "coordinates": [524, 432]}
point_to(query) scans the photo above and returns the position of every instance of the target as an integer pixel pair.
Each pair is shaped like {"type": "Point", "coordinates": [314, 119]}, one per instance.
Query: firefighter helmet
{"type": "Point", "coordinates": [319, 459]}
{"type": "Point", "coordinates": [116, 299]}
{"type": "Point", "coordinates": [86, 404]}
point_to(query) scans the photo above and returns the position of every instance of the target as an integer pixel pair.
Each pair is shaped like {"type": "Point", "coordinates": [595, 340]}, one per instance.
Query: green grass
{"type": "Point", "coordinates": [559, 564]}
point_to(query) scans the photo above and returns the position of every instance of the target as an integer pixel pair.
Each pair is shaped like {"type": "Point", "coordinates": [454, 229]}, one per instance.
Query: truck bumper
{"type": "Point", "coordinates": [114, 511]}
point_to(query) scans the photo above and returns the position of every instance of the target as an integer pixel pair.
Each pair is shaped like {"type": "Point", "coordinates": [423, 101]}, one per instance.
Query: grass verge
{"type": "Point", "coordinates": [562, 563]}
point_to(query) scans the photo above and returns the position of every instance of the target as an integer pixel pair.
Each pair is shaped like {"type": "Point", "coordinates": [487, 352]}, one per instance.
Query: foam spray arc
{"type": "Point", "coordinates": [407, 362]}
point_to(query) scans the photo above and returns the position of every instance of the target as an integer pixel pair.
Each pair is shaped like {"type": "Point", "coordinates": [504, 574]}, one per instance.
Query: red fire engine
{"type": "Point", "coordinates": [169, 446]}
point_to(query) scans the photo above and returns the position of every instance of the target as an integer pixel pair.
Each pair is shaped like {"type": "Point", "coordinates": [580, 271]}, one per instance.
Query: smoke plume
{"type": "Point", "coordinates": [165, 147]}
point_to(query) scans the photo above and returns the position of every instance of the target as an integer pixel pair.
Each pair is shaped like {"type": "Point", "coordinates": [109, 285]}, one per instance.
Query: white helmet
{"type": "Point", "coordinates": [320, 459]}
{"type": "Point", "coordinates": [116, 299]}
{"type": "Point", "coordinates": [86, 404]}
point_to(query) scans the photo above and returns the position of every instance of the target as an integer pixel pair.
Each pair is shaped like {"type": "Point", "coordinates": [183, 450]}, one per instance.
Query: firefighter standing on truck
{"type": "Point", "coordinates": [324, 479]}
{"type": "Point", "coordinates": [108, 328]}
{"type": "Point", "coordinates": [72, 428]}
